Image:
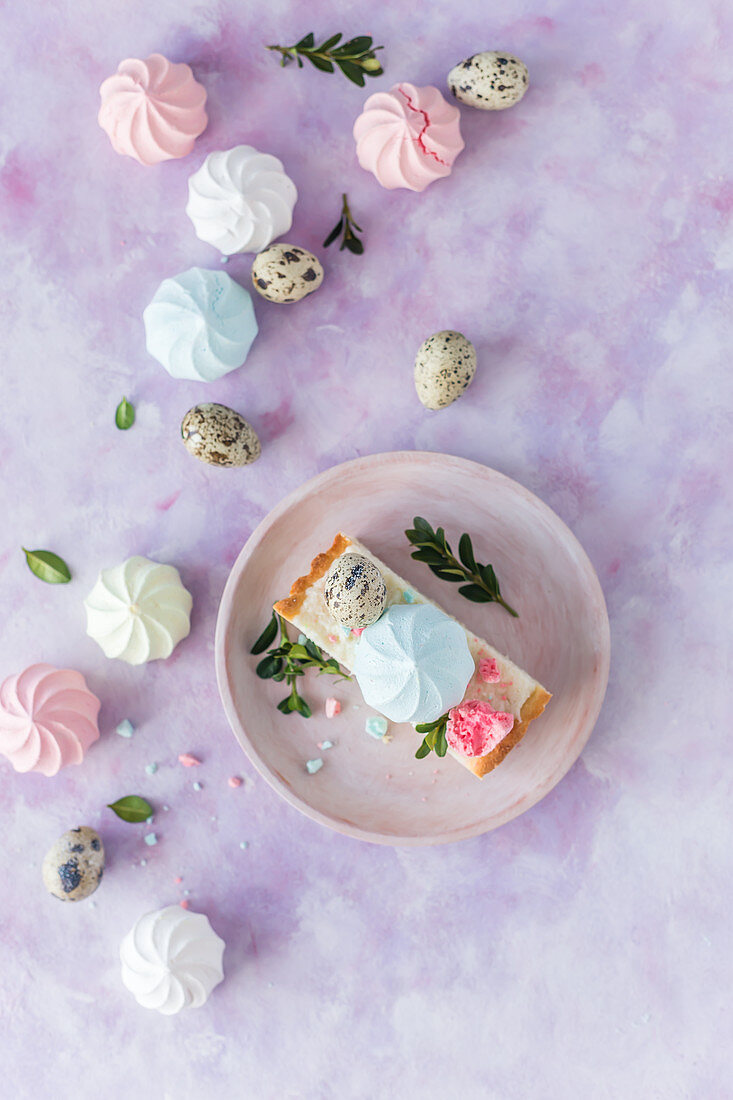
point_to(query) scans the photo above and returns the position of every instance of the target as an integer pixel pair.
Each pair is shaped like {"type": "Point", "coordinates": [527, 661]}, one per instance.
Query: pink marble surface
{"type": "Point", "coordinates": [585, 243]}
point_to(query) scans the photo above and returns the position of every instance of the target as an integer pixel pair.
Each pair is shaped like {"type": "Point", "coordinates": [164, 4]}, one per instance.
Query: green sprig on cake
{"type": "Point", "coordinates": [434, 550]}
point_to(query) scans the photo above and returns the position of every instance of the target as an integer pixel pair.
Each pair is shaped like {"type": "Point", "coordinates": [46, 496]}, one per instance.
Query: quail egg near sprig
{"type": "Point", "coordinates": [355, 592]}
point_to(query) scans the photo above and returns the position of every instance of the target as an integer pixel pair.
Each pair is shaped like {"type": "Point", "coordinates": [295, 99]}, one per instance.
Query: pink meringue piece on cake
{"type": "Point", "coordinates": [152, 110]}
{"type": "Point", "coordinates": [408, 136]}
{"type": "Point", "coordinates": [48, 719]}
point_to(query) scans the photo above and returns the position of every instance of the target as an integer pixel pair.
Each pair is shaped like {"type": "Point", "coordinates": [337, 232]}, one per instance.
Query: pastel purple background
{"type": "Point", "coordinates": [585, 243]}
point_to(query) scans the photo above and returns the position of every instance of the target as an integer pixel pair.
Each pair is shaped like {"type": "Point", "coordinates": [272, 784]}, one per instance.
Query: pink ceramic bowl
{"type": "Point", "coordinates": [377, 791]}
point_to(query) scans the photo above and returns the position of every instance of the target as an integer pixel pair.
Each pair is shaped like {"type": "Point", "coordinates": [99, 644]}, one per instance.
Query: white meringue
{"type": "Point", "coordinates": [413, 663]}
{"type": "Point", "coordinates": [138, 611]}
{"type": "Point", "coordinates": [172, 959]}
{"type": "Point", "coordinates": [200, 325]}
{"type": "Point", "coordinates": [241, 200]}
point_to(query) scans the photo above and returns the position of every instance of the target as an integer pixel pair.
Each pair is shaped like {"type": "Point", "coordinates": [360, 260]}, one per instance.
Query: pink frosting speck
{"type": "Point", "coordinates": [333, 707]}
{"type": "Point", "coordinates": [357, 630]}
{"type": "Point", "coordinates": [488, 670]}
{"type": "Point", "coordinates": [475, 728]}
{"type": "Point", "coordinates": [188, 760]}
{"type": "Point", "coordinates": [234, 781]}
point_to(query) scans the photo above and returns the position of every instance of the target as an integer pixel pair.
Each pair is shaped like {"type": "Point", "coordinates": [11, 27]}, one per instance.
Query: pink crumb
{"type": "Point", "coordinates": [357, 630]}
{"type": "Point", "coordinates": [333, 707]}
{"type": "Point", "coordinates": [488, 670]}
{"type": "Point", "coordinates": [234, 781]}
{"type": "Point", "coordinates": [184, 904]}
{"type": "Point", "coordinates": [332, 638]}
{"type": "Point", "coordinates": [423, 799]}
{"type": "Point", "coordinates": [188, 760]}
{"type": "Point", "coordinates": [475, 728]}
{"type": "Point", "coordinates": [178, 880]}
{"type": "Point", "coordinates": [388, 776]}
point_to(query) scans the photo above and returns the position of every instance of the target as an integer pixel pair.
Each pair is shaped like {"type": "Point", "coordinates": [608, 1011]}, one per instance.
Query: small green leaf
{"type": "Point", "coordinates": [329, 43]}
{"type": "Point", "coordinates": [306, 43]}
{"type": "Point", "coordinates": [359, 45]}
{"type": "Point", "coordinates": [303, 708]}
{"type": "Point", "coordinates": [428, 555]}
{"type": "Point", "coordinates": [423, 750]}
{"type": "Point", "coordinates": [465, 553]}
{"type": "Point", "coordinates": [489, 578]}
{"type": "Point", "coordinates": [285, 705]}
{"type": "Point", "coordinates": [131, 808]}
{"type": "Point", "coordinates": [446, 573]}
{"type": "Point", "coordinates": [441, 742]}
{"type": "Point", "coordinates": [299, 652]}
{"type": "Point", "coordinates": [267, 637]}
{"type": "Point", "coordinates": [320, 63]}
{"type": "Point", "coordinates": [335, 232]}
{"type": "Point", "coordinates": [268, 667]}
{"type": "Point", "coordinates": [475, 594]}
{"type": "Point", "coordinates": [124, 415]}
{"type": "Point", "coordinates": [47, 566]}
{"type": "Point", "coordinates": [421, 524]}
{"type": "Point", "coordinates": [354, 245]}
{"type": "Point", "coordinates": [352, 71]}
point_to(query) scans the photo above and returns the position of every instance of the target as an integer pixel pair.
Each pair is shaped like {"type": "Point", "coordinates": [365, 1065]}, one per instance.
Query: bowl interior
{"type": "Point", "coordinates": [378, 791]}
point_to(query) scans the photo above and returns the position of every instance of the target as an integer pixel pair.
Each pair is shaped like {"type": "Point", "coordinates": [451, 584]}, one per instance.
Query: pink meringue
{"type": "Point", "coordinates": [48, 719]}
{"type": "Point", "coordinates": [152, 110]}
{"type": "Point", "coordinates": [408, 136]}
{"type": "Point", "coordinates": [474, 728]}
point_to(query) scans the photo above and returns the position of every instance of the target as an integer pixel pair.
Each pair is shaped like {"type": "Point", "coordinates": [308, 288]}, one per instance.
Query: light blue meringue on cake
{"type": "Point", "coordinates": [413, 664]}
{"type": "Point", "coordinates": [200, 325]}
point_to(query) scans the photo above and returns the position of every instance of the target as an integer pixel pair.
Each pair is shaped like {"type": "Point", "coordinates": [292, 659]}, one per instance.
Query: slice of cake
{"type": "Point", "coordinates": [413, 666]}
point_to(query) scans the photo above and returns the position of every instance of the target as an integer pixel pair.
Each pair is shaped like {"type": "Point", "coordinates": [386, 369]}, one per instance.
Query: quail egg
{"type": "Point", "coordinates": [220, 436]}
{"type": "Point", "coordinates": [286, 273]}
{"type": "Point", "coordinates": [444, 368]}
{"type": "Point", "coordinates": [491, 80]}
{"type": "Point", "coordinates": [72, 868]}
{"type": "Point", "coordinates": [355, 591]}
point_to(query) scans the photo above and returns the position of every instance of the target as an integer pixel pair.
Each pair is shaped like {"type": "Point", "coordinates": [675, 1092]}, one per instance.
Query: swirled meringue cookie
{"type": "Point", "coordinates": [413, 663]}
{"type": "Point", "coordinates": [408, 137]}
{"type": "Point", "coordinates": [241, 200]}
{"type": "Point", "coordinates": [152, 110]}
{"type": "Point", "coordinates": [200, 325]}
{"type": "Point", "coordinates": [172, 959]}
{"type": "Point", "coordinates": [48, 719]}
{"type": "Point", "coordinates": [138, 611]}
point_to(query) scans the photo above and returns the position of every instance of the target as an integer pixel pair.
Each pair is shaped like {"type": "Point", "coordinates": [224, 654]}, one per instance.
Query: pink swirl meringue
{"type": "Point", "coordinates": [408, 136]}
{"type": "Point", "coordinates": [152, 110]}
{"type": "Point", "coordinates": [48, 719]}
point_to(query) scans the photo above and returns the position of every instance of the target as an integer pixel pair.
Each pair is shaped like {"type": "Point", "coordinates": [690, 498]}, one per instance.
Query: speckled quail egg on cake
{"type": "Point", "coordinates": [355, 591]}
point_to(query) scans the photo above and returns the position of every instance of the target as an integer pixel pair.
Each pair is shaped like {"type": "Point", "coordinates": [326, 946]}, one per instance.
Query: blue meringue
{"type": "Point", "coordinates": [413, 664]}
{"type": "Point", "coordinates": [200, 325]}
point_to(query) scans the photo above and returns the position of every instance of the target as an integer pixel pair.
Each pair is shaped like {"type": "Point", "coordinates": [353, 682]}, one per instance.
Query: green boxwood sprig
{"type": "Point", "coordinates": [435, 739]}
{"type": "Point", "coordinates": [288, 661]}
